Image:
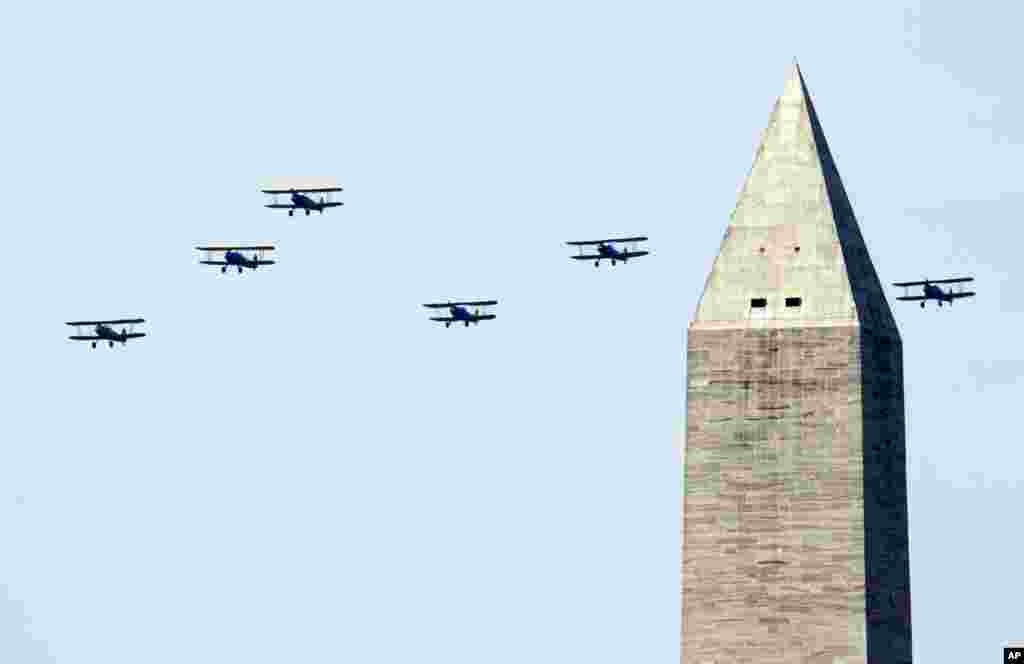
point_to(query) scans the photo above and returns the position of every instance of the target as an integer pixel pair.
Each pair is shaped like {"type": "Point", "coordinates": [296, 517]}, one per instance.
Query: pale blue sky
{"type": "Point", "coordinates": [297, 466]}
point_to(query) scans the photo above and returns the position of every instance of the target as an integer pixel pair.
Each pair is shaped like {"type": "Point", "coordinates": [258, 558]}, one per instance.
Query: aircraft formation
{"type": "Point", "coordinates": [227, 257]}
{"type": "Point", "coordinates": [466, 313]}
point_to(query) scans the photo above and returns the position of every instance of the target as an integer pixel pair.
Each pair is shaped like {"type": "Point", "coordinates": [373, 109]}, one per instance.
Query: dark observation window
{"type": "Point", "coordinates": [796, 249]}
{"type": "Point", "coordinates": [758, 303]}
{"type": "Point", "coordinates": [793, 301]}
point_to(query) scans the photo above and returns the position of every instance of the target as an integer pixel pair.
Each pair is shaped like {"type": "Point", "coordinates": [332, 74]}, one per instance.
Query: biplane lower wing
{"type": "Point", "coordinates": [621, 254]}
{"type": "Point", "coordinates": [130, 335]}
{"type": "Point", "coordinates": [449, 319]}
{"type": "Point", "coordinates": [292, 206]}
{"type": "Point", "coordinates": [226, 263]}
{"type": "Point", "coordinates": [945, 296]}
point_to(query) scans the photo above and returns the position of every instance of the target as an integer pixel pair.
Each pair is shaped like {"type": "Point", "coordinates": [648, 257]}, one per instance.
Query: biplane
{"type": "Point", "coordinates": [606, 250]}
{"type": "Point", "coordinates": [933, 292]}
{"type": "Point", "coordinates": [299, 200]}
{"type": "Point", "coordinates": [234, 256]}
{"type": "Point", "coordinates": [104, 332]}
{"type": "Point", "coordinates": [457, 311]}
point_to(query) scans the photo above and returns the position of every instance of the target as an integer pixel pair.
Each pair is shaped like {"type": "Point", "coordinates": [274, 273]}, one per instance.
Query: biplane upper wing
{"type": "Point", "coordinates": [934, 281]}
{"type": "Point", "coordinates": [952, 281]}
{"type": "Point", "coordinates": [263, 248]}
{"type": "Point", "coordinates": [445, 305]}
{"type": "Point", "coordinates": [579, 243]}
{"type": "Point", "coordinates": [478, 303]}
{"type": "Point", "coordinates": [119, 321]}
{"type": "Point", "coordinates": [322, 190]}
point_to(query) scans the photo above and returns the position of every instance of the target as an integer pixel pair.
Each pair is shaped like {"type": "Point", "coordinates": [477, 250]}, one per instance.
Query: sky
{"type": "Point", "coordinates": [296, 465]}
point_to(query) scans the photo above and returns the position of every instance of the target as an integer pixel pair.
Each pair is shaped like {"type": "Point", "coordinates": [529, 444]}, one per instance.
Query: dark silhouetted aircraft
{"type": "Point", "coordinates": [933, 292]}
{"type": "Point", "coordinates": [233, 256]}
{"type": "Point", "coordinates": [606, 249]}
{"type": "Point", "coordinates": [302, 202]}
{"type": "Point", "coordinates": [103, 331]}
{"type": "Point", "coordinates": [458, 312]}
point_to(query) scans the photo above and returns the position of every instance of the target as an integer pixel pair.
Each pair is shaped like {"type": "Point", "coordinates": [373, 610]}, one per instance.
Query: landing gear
{"type": "Point", "coordinates": [239, 269]}
{"type": "Point", "coordinates": [223, 269]}
{"type": "Point", "coordinates": [597, 263]}
{"type": "Point", "coordinates": [111, 343]}
{"type": "Point", "coordinates": [307, 212]}
{"type": "Point", "coordinates": [467, 323]}
{"type": "Point", "coordinates": [448, 324]}
{"type": "Point", "coordinates": [94, 344]}
{"type": "Point", "coordinates": [613, 262]}
{"type": "Point", "coordinates": [940, 304]}
{"type": "Point", "coordinates": [291, 213]}
{"type": "Point", "coordinates": [922, 305]}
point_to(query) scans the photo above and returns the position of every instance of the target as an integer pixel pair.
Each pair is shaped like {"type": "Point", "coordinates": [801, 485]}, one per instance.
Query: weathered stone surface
{"type": "Point", "coordinates": [795, 509]}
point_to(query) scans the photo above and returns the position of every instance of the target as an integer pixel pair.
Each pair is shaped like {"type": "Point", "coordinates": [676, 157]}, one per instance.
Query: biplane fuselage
{"type": "Point", "coordinates": [935, 293]}
{"type": "Point", "coordinates": [461, 313]}
{"type": "Point", "coordinates": [305, 202]}
{"type": "Point", "coordinates": [109, 334]}
{"type": "Point", "coordinates": [239, 259]}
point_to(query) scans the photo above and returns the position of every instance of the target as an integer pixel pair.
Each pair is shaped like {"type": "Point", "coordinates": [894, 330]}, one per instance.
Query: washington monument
{"type": "Point", "coordinates": [794, 542]}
